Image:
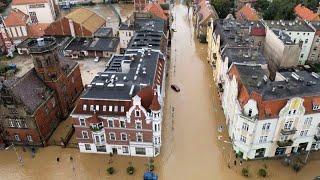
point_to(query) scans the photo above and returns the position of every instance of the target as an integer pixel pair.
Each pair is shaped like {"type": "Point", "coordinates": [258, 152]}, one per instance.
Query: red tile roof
{"type": "Point", "coordinates": [258, 32]}
{"type": "Point", "coordinates": [155, 105]}
{"type": "Point", "coordinates": [36, 30]}
{"type": "Point", "coordinates": [16, 18]}
{"type": "Point", "coordinates": [247, 13]}
{"type": "Point", "coordinates": [24, 2]}
{"type": "Point", "coordinates": [156, 10]}
{"type": "Point", "coordinates": [305, 13]}
{"type": "Point", "coordinates": [206, 11]}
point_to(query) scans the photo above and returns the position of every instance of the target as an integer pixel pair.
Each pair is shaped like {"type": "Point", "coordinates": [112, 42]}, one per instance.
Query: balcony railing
{"type": "Point", "coordinates": [288, 131]}
{"type": "Point", "coordinates": [317, 137]}
{"type": "Point", "coordinates": [96, 127]}
{"type": "Point", "coordinates": [251, 119]}
{"type": "Point", "coordinates": [285, 143]}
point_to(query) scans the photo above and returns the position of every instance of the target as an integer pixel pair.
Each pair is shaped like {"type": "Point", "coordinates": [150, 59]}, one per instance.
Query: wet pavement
{"type": "Point", "coordinates": [191, 149]}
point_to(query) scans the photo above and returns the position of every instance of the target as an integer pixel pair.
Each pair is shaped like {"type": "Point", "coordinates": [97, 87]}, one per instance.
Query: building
{"type": "Point", "coordinates": [139, 5]}
{"type": "Point", "coordinates": [241, 3]}
{"type": "Point", "coordinates": [304, 13]}
{"type": "Point", "coordinates": [140, 22]}
{"type": "Point", "coordinates": [204, 12]}
{"type": "Point", "coordinates": [33, 105]}
{"type": "Point", "coordinates": [280, 49]}
{"type": "Point", "coordinates": [314, 55]}
{"type": "Point", "coordinates": [247, 13]}
{"type": "Point", "coordinates": [271, 118]}
{"type": "Point", "coordinates": [232, 41]}
{"type": "Point", "coordinates": [80, 22]}
{"type": "Point", "coordinates": [149, 39]}
{"type": "Point", "coordinates": [155, 9]}
{"type": "Point", "coordinates": [298, 31]}
{"type": "Point", "coordinates": [103, 32]}
{"type": "Point", "coordinates": [39, 11]}
{"type": "Point", "coordinates": [120, 112]}
{"type": "Point", "coordinates": [92, 47]}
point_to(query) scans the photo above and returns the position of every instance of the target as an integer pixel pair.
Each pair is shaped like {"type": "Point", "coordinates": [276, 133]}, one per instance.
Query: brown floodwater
{"type": "Point", "coordinates": [191, 149]}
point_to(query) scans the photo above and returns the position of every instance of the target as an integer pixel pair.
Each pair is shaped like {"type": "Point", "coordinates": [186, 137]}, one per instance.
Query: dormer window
{"type": "Point", "coordinates": [137, 113]}
{"type": "Point", "coordinates": [250, 112]}
{"type": "Point", "coordinates": [315, 107]}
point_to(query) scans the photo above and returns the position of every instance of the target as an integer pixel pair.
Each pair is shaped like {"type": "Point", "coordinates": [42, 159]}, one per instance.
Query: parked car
{"type": "Point", "coordinates": [96, 59]}
{"type": "Point", "coordinates": [175, 88]}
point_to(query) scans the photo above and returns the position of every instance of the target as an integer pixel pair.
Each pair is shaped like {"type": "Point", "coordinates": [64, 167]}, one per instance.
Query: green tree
{"type": "Point", "coordinates": [223, 7]}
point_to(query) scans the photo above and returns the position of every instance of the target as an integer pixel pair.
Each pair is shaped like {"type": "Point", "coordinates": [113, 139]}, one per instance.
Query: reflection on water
{"type": "Point", "coordinates": [191, 149]}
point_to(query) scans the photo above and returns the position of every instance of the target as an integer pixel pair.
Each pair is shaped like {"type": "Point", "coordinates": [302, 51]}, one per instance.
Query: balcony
{"type": "Point", "coordinates": [96, 127]}
{"type": "Point", "coordinates": [288, 131]}
{"type": "Point", "coordinates": [285, 143]}
{"type": "Point", "coordinates": [317, 137]}
{"type": "Point", "coordinates": [248, 118]}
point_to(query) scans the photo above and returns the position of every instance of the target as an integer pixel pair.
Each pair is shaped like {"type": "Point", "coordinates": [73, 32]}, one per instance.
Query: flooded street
{"type": "Point", "coordinates": [191, 149]}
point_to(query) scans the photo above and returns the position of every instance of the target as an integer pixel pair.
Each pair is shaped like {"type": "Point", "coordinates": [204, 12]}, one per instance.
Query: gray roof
{"type": "Point", "coordinates": [293, 25]}
{"type": "Point", "coordinates": [283, 36]}
{"type": "Point", "coordinates": [151, 24]}
{"type": "Point", "coordinates": [146, 39]}
{"type": "Point", "coordinates": [30, 90]}
{"type": "Point", "coordinates": [124, 74]}
{"type": "Point", "coordinates": [104, 44]}
{"type": "Point", "coordinates": [291, 83]}
{"type": "Point", "coordinates": [78, 44]}
{"type": "Point", "coordinates": [316, 25]}
{"type": "Point", "coordinates": [103, 32]}
{"type": "Point", "coordinates": [243, 55]}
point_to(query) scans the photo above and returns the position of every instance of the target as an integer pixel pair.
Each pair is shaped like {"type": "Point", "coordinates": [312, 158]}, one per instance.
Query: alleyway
{"type": "Point", "coordinates": [191, 149]}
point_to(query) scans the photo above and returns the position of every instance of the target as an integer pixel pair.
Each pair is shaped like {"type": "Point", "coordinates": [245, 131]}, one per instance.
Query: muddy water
{"type": "Point", "coordinates": [191, 149]}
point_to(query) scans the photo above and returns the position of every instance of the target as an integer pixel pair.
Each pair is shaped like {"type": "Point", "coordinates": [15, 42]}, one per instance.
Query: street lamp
{"type": "Point", "coordinates": [19, 157]}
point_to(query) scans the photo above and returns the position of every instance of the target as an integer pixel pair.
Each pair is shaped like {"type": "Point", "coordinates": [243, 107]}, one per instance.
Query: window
{"type": "Point", "coordinates": [110, 123]}
{"type": "Point", "coordinates": [245, 126]}
{"type": "Point", "coordinates": [91, 107]}
{"type": "Point", "coordinates": [263, 139]}
{"type": "Point", "coordinates": [18, 123]}
{"type": "Point", "coordinates": [283, 137]}
{"type": "Point", "coordinates": [115, 108]}
{"type": "Point", "coordinates": [36, 6]}
{"type": "Point", "coordinates": [11, 123]}
{"type": "Point", "coordinates": [110, 108]}
{"type": "Point", "coordinates": [308, 121]}
{"type": "Point", "coordinates": [137, 113]}
{"type": "Point", "coordinates": [304, 132]}
{"type": "Point", "coordinates": [243, 139]}
{"type": "Point", "coordinates": [301, 56]}
{"type": "Point", "coordinates": [138, 125]}
{"type": "Point", "coordinates": [306, 41]}
{"type": "Point", "coordinates": [288, 125]}
{"type": "Point", "coordinates": [139, 137]}
{"type": "Point", "coordinates": [85, 135]}
{"type": "Point", "coordinates": [84, 107]}
{"type": "Point", "coordinates": [315, 107]}
{"type": "Point", "coordinates": [104, 108]}
{"type": "Point", "coordinates": [87, 147]}
{"type": "Point", "coordinates": [29, 138]}
{"type": "Point", "coordinates": [33, 17]}
{"type": "Point", "coordinates": [250, 112]}
{"type": "Point", "coordinates": [122, 108]}
{"type": "Point", "coordinates": [124, 137]}
{"type": "Point", "coordinates": [129, 33]}
{"type": "Point", "coordinates": [141, 151]}
{"type": "Point", "coordinates": [122, 124]}
{"type": "Point", "coordinates": [155, 127]}
{"type": "Point", "coordinates": [266, 126]}
{"type": "Point", "coordinates": [102, 139]}
{"type": "Point", "coordinates": [23, 124]}
{"type": "Point", "coordinates": [17, 137]}
{"type": "Point", "coordinates": [125, 149]}
{"type": "Point", "coordinates": [97, 108]}
{"type": "Point", "coordinates": [112, 136]}
{"type": "Point", "coordinates": [82, 122]}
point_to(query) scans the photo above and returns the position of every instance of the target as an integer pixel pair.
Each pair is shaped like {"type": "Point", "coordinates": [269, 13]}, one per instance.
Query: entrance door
{"type": "Point", "coordinates": [114, 151]}
{"type": "Point", "coordinates": [260, 152]}
{"type": "Point", "coordinates": [302, 147]}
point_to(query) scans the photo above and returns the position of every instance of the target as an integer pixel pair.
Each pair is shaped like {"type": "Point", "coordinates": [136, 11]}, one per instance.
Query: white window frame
{"type": "Point", "coordinates": [18, 123]}
{"type": "Point", "coordinates": [104, 108]}
{"type": "Point", "coordinates": [85, 133]}
{"type": "Point", "coordinates": [243, 139]}
{"type": "Point", "coordinates": [97, 108]}
{"type": "Point", "coordinates": [91, 107]}
{"type": "Point", "coordinates": [110, 108]}
{"type": "Point", "coordinates": [29, 138]}
{"type": "Point", "coordinates": [125, 136]}
{"type": "Point", "coordinates": [84, 121]}
{"type": "Point", "coordinates": [11, 123]}
{"type": "Point", "coordinates": [110, 120]}
{"type": "Point", "coordinates": [125, 149]}
{"type": "Point", "coordinates": [137, 135]}
{"type": "Point", "coordinates": [122, 108]}
{"type": "Point", "coordinates": [136, 124]}
{"type": "Point", "coordinates": [87, 145]}
{"type": "Point", "coordinates": [84, 108]}
{"type": "Point", "coordinates": [115, 108]}
{"type": "Point", "coordinates": [245, 126]}
{"type": "Point", "coordinates": [114, 135]}
{"type": "Point", "coordinates": [124, 122]}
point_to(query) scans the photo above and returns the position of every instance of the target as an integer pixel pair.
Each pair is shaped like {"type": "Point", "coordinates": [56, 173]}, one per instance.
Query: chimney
{"type": "Point", "coordinates": [40, 41]}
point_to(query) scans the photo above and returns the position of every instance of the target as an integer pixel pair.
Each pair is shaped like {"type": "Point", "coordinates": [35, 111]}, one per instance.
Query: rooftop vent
{"type": "Point", "coordinates": [315, 75]}
{"type": "Point", "coordinates": [131, 90]}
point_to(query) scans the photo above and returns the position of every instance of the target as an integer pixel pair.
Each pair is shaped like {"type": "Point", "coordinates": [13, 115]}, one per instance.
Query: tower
{"type": "Point", "coordinates": [47, 65]}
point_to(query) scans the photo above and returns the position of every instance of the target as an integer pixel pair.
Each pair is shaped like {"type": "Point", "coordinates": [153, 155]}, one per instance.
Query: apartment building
{"type": "Point", "coordinates": [314, 55]}
{"type": "Point", "coordinates": [120, 112]}
{"type": "Point", "coordinates": [268, 118]}
{"type": "Point", "coordinates": [39, 11]}
{"type": "Point", "coordinates": [298, 31]}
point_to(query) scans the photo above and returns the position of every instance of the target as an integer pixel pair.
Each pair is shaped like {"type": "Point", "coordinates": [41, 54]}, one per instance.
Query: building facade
{"type": "Point", "coordinates": [314, 55]}
{"type": "Point", "coordinates": [40, 11]}
{"type": "Point", "coordinates": [33, 105]}
{"type": "Point", "coordinates": [120, 112]}
{"type": "Point", "coordinates": [271, 118]}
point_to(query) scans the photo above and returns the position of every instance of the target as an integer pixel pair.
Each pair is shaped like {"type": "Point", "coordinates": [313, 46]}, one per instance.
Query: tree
{"type": "Point", "coordinates": [223, 7]}
{"type": "Point", "coordinates": [262, 172]}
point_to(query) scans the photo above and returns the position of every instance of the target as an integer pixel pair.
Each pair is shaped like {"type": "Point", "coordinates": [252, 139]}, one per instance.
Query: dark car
{"type": "Point", "coordinates": [175, 88]}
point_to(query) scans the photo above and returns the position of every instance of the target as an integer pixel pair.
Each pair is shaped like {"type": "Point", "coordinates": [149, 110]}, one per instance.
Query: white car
{"type": "Point", "coordinates": [96, 59]}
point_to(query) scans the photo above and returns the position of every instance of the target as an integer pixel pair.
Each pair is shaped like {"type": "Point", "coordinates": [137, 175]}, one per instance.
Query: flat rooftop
{"type": "Point", "coordinates": [288, 83]}
{"type": "Point", "coordinates": [245, 55]}
{"type": "Point", "coordinates": [283, 36]}
{"type": "Point", "coordinates": [94, 44]}
{"type": "Point", "coordinates": [146, 39]}
{"type": "Point", "coordinates": [124, 76]}
{"type": "Point", "coordinates": [294, 25]}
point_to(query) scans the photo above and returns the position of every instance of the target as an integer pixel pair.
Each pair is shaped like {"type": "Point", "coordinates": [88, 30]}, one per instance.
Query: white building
{"type": "Point", "coordinates": [39, 11]}
{"type": "Point", "coordinates": [299, 32]}
{"type": "Point", "coordinates": [271, 118]}
{"type": "Point", "coordinates": [126, 32]}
